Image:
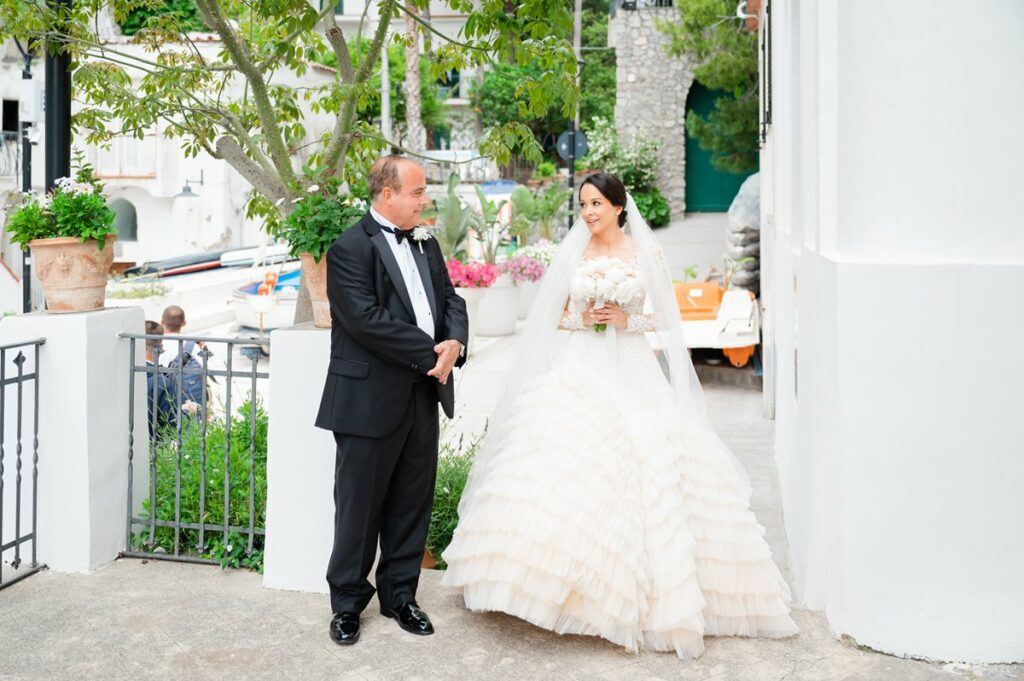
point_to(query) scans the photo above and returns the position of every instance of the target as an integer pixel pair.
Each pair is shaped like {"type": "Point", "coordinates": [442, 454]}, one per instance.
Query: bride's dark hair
{"type": "Point", "coordinates": [612, 189]}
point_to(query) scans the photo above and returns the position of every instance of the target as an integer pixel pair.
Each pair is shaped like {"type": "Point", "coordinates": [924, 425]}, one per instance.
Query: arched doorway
{"type": "Point", "coordinates": [707, 189]}
{"type": "Point", "coordinates": [126, 221]}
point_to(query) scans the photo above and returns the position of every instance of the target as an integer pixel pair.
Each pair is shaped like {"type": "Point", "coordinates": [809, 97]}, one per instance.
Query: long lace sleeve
{"type": "Point", "coordinates": [571, 321]}
{"type": "Point", "coordinates": [640, 323]}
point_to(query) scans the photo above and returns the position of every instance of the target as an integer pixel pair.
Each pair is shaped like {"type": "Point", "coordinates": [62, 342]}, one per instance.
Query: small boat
{"type": "Point", "coordinates": [263, 255]}
{"type": "Point", "coordinates": [280, 310]}
{"type": "Point", "coordinates": [182, 264]}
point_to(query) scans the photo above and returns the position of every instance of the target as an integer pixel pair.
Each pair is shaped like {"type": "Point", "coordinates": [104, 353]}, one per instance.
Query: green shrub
{"type": "Point", "coordinates": [653, 206]}
{"type": "Point", "coordinates": [453, 463]}
{"type": "Point", "coordinates": [230, 553]}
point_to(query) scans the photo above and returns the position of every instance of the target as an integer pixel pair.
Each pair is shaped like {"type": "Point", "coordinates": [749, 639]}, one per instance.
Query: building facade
{"type": "Point", "coordinates": [892, 275]}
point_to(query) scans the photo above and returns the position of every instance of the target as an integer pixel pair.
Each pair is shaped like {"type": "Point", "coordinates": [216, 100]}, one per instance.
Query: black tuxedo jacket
{"type": "Point", "coordinates": [377, 351]}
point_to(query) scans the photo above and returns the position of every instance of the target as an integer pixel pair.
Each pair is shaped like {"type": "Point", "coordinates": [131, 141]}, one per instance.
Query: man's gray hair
{"type": "Point", "coordinates": [384, 173]}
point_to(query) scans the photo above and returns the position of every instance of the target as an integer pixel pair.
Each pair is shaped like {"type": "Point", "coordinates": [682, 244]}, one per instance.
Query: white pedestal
{"type": "Point", "coordinates": [300, 463]}
{"type": "Point", "coordinates": [83, 433]}
{"type": "Point", "coordinates": [499, 309]}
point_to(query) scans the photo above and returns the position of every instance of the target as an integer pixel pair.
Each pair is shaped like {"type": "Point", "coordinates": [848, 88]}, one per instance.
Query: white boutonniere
{"type": "Point", "coordinates": [419, 235]}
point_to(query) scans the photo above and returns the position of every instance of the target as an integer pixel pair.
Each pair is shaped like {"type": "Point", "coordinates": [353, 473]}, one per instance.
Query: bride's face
{"type": "Point", "coordinates": [597, 211]}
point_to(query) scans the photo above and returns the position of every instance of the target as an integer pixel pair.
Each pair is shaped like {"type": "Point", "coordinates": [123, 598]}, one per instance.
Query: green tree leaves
{"type": "Point", "coordinates": [726, 58]}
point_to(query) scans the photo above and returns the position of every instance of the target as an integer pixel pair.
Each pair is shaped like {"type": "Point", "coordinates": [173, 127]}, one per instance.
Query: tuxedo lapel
{"type": "Point", "coordinates": [420, 256]}
{"type": "Point", "coordinates": [394, 271]}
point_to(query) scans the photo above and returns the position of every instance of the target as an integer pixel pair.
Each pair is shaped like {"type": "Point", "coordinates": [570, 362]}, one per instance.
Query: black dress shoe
{"type": "Point", "coordinates": [345, 628]}
{"type": "Point", "coordinates": [410, 618]}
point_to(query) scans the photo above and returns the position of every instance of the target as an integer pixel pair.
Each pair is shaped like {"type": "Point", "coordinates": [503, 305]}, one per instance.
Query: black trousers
{"type": "Point", "coordinates": [384, 490]}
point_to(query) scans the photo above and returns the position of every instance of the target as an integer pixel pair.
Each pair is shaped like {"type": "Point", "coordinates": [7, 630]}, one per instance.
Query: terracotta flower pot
{"type": "Point", "coordinates": [314, 275]}
{"type": "Point", "coordinates": [73, 273]}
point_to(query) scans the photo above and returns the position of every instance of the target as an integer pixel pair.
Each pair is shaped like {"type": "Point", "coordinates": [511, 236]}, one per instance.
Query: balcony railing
{"type": "Point", "coordinates": [632, 5]}
{"type": "Point", "coordinates": [10, 154]}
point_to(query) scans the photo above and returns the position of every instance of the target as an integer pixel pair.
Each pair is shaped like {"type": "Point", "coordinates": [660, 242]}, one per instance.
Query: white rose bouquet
{"type": "Point", "coordinates": [604, 280]}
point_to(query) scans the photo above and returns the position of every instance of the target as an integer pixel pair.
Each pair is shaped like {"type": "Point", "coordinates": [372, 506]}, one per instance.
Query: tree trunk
{"type": "Point", "coordinates": [416, 135]}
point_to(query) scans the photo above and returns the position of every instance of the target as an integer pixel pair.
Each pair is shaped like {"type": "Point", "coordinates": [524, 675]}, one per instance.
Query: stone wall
{"type": "Point", "coordinates": [651, 97]}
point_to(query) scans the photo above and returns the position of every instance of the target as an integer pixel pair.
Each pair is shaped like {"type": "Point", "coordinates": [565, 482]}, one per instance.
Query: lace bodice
{"type": "Point", "coordinates": [612, 279]}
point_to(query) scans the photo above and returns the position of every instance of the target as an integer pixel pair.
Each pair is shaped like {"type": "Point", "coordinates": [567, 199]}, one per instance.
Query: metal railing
{"type": "Point", "coordinates": [10, 154]}
{"type": "Point", "coordinates": [198, 450]}
{"type": "Point", "coordinates": [25, 529]}
{"type": "Point", "coordinates": [630, 5]}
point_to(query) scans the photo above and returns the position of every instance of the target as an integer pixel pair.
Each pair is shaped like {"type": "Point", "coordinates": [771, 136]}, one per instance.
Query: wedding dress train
{"type": "Point", "coordinates": [602, 512]}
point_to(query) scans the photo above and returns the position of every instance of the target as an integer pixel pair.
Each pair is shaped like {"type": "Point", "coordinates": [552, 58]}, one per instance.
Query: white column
{"type": "Point", "coordinates": [898, 392]}
{"type": "Point", "coordinates": [83, 433]}
{"type": "Point", "coordinates": [300, 463]}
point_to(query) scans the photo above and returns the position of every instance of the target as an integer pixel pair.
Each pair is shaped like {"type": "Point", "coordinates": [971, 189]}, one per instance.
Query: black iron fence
{"type": "Point", "coordinates": [18, 506]}
{"type": "Point", "coordinates": [205, 473]}
{"type": "Point", "coordinates": [10, 154]}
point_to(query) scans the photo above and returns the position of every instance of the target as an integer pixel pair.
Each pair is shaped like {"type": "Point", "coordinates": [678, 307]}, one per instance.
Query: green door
{"type": "Point", "coordinates": [707, 189]}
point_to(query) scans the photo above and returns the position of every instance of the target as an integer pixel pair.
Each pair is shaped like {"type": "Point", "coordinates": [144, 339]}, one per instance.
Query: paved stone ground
{"type": "Point", "coordinates": [139, 619]}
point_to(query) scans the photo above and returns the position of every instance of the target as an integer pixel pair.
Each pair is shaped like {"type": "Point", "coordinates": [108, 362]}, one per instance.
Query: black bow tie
{"type": "Point", "coordinates": [400, 234]}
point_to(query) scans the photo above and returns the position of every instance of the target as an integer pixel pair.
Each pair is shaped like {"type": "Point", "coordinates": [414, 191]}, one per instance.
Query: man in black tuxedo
{"type": "Point", "coordinates": [397, 330]}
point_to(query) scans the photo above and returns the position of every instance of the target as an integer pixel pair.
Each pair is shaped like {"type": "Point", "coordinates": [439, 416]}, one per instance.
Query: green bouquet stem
{"type": "Point", "coordinates": [600, 327]}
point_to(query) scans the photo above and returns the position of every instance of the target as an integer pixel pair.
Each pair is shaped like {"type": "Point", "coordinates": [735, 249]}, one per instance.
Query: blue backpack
{"type": "Point", "coordinates": [193, 384]}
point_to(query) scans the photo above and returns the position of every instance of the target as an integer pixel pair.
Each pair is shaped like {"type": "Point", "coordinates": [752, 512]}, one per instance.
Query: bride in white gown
{"type": "Point", "coordinates": [602, 501]}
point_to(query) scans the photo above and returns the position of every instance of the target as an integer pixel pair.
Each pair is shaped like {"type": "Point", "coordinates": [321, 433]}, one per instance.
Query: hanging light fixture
{"type": "Point", "coordinates": [186, 191]}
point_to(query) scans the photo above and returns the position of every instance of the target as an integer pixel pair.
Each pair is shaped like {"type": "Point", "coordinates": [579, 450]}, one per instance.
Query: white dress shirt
{"type": "Point", "coordinates": [410, 274]}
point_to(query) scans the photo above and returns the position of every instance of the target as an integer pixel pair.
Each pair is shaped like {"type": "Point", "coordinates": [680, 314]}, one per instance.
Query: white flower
{"type": "Point", "coordinates": [596, 266]}
{"type": "Point", "coordinates": [615, 275]}
{"type": "Point", "coordinates": [296, 200]}
{"type": "Point", "coordinates": [279, 202]}
{"type": "Point", "coordinates": [313, 188]}
{"type": "Point", "coordinates": [419, 235]}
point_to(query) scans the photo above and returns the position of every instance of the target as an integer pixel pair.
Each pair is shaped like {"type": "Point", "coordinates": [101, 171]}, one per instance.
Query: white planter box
{"type": "Point", "coordinates": [499, 309]}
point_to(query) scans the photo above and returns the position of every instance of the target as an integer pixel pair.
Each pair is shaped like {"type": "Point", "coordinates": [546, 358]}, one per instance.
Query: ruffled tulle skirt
{"type": "Point", "coordinates": [601, 514]}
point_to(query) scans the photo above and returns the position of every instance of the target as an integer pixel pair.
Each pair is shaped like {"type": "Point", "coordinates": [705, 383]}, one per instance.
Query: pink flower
{"type": "Point", "coordinates": [523, 268]}
{"type": "Point", "coordinates": [472, 274]}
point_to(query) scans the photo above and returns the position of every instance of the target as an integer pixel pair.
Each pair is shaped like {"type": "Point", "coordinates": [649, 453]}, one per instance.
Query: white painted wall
{"type": "Point", "coordinates": [300, 464]}
{"type": "Point", "coordinates": [83, 434]}
{"type": "Point", "coordinates": [897, 265]}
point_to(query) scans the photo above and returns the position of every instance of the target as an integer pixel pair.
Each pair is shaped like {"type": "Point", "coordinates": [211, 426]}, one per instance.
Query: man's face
{"type": "Point", "coordinates": [404, 206]}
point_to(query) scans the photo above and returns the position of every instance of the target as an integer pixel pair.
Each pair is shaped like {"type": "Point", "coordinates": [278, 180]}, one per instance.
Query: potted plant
{"type": "Point", "coordinates": [526, 268]}
{"type": "Point", "coordinates": [471, 280]}
{"type": "Point", "coordinates": [498, 309]}
{"type": "Point", "coordinates": [524, 215]}
{"type": "Point", "coordinates": [545, 173]}
{"type": "Point", "coordinates": [551, 210]}
{"type": "Point", "coordinates": [452, 221]}
{"type": "Point", "coordinates": [71, 233]}
{"type": "Point", "coordinates": [316, 219]}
